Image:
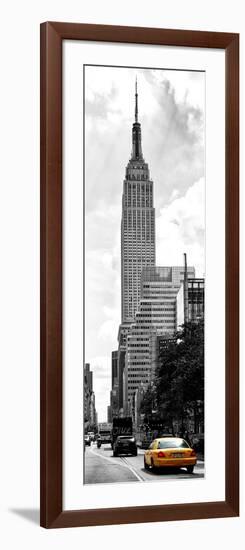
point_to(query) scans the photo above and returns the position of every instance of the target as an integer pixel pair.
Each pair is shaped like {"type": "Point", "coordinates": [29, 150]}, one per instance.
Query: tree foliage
{"type": "Point", "coordinates": [179, 383]}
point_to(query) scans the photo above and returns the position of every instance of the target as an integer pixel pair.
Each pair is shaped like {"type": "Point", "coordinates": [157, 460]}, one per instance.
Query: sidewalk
{"type": "Point", "coordinates": [200, 456]}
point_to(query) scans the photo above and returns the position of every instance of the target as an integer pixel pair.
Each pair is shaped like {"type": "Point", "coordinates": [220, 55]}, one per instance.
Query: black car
{"type": "Point", "coordinates": [125, 444]}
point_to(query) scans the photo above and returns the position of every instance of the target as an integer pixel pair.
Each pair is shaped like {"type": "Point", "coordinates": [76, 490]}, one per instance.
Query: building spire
{"type": "Point", "coordinates": [136, 101]}
{"type": "Point", "coordinates": [136, 133]}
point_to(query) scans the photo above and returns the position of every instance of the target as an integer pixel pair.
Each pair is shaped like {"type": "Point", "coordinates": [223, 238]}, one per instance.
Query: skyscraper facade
{"type": "Point", "coordinates": [114, 394]}
{"type": "Point", "coordinates": [137, 239]}
{"type": "Point", "coordinates": [114, 373]}
{"type": "Point", "coordinates": [156, 315]}
{"type": "Point", "coordinates": [88, 398]}
{"type": "Point", "coordinates": [195, 301]}
{"type": "Point", "coordinates": [137, 226]}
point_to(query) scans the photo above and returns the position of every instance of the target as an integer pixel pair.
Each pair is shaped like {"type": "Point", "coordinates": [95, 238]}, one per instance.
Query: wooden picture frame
{"type": "Point", "coordinates": [52, 35]}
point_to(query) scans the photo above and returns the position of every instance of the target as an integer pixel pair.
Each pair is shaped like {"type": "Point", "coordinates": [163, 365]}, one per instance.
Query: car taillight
{"type": "Point", "coordinates": [193, 453]}
{"type": "Point", "coordinates": [161, 455]}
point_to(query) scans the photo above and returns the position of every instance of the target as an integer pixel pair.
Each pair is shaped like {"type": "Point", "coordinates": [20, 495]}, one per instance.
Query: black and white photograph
{"type": "Point", "coordinates": [144, 274]}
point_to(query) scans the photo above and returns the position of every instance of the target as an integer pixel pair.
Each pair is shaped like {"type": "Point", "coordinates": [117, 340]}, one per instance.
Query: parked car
{"type": "Point", "coordinates": [87, 440]}
{"type": "Point", "coordinates": [170, 452]}
{"type": "Point", "coordinates": [125, 445]}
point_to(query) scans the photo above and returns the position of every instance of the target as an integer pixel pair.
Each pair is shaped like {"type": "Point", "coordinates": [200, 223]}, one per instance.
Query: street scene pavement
{"type": "Point", "coordinates": [102, 467]}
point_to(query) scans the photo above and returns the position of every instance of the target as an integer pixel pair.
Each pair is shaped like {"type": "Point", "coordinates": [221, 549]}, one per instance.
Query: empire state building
{"type": "Point", "coordinates": [137, 225]}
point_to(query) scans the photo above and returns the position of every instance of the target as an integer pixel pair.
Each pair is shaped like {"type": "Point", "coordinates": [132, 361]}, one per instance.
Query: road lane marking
{"type": "Point", "coordinates": [107, 458]}
{"type": "Point", "coordinates": [121, 463]}
{"type": "Point", "coordinates": [132, 469]}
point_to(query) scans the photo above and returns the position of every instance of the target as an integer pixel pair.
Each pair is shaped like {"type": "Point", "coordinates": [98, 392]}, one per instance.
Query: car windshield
{"type": "Point", "coordinates": [172, 444]}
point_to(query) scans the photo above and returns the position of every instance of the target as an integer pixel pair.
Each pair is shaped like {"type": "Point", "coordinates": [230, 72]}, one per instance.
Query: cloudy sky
{"type": "Point", "coordinates": [171, 113]}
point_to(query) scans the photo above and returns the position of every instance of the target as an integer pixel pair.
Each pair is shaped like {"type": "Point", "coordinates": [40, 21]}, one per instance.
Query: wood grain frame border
{"type": "Point", "coordinates": [52, 35]}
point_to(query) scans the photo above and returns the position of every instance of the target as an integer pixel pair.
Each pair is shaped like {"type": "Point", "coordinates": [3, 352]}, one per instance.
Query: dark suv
{"type": "Point", "coordinates": [125, 444]}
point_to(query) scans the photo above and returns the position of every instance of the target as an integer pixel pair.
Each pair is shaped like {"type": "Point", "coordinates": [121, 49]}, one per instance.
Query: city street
{"type": "Point", "coordinates": [102, 467]}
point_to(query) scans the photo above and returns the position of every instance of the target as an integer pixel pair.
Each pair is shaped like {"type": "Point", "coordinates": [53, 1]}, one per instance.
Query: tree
{"type": "Point", "coordinates": [180, 375]}
{"type": "Point", "coordinates": [179, 382]}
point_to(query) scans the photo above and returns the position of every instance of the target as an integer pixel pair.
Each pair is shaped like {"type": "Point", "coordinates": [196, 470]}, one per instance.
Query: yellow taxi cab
{"type": "Point", "coordinates": [171, 452]}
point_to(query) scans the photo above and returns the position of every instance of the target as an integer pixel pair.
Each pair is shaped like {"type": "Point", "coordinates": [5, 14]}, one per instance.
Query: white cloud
{"type": "Point", "coordinates": [186, 85]}
{"type": "Point", "coordinates": [174, 195]}
{"type": "Point", "coordinates": [180, 228]}
{"type": "Point", "coordinates": [171, 107]}
{"type": "Point", "coordinates": [109, 327]}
